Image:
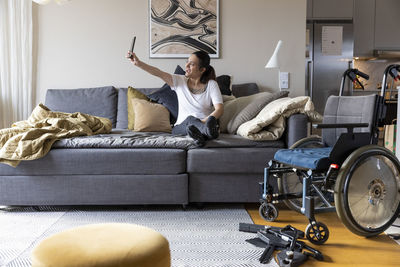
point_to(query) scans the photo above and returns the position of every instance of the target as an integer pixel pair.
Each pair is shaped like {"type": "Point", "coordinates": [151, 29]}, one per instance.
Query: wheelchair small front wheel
{"type": "Point", "coordinates": [317, 233]}
{"type": "Point", "coordinates": [367, 190]}
{"type": "Point", "coordinates": [268, 212]}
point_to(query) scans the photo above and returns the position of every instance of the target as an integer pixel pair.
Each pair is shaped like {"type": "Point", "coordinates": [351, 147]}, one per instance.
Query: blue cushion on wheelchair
{"type": "Point", "coordinates": [308, 158]}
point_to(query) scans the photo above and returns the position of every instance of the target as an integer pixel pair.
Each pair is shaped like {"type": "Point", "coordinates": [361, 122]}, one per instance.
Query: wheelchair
{"type": "Point", "coordinates": [343, 171]}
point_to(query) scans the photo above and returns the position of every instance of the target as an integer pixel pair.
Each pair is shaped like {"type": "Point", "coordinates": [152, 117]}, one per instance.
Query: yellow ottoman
{"type": "Point", "coordinates": [100, 245]}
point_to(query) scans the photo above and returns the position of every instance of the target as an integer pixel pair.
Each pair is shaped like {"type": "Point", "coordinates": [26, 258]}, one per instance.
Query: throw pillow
{"type": "Point", "coordinates": [252, 109]}
{"type": "Point", "coordinates": [233, 108]}
{"type": "Point", "coordinates": [245, 89]}
{"type": "Point", "coordinates": [225, 83]}
{"type": "Point", "coordinates": [150, 117]}
{"type": "Point", "coordinates": [167, 97]}
{"type": "Point", "coordinates": [133, 94]}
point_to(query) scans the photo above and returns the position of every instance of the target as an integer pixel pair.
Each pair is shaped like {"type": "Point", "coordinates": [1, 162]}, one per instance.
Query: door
{"type": "Point", "coordinates": [330, 64]}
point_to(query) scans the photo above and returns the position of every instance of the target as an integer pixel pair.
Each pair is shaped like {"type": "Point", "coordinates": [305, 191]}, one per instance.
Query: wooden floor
{"type": "Point", "coordinates": [343, 248]}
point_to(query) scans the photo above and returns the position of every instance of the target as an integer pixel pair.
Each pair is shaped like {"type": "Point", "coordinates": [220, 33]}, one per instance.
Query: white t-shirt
{"type": "Point", "coordinates": [197, 105]}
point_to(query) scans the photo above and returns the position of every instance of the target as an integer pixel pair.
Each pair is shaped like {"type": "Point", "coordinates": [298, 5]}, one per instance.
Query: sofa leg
{"type": "Point", "coordinates": [184, 206]}
{"type": "Point", "coordinates": [5, 208]}
{"type": "Point", "coordinates": [199, 205]}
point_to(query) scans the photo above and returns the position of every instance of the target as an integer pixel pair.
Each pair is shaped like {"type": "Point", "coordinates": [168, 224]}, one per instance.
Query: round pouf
{"type": "Point", "coordinates": [101, 245]}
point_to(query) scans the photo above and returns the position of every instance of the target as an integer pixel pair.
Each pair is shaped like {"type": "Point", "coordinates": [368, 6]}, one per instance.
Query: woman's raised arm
{"type": "Point", "coordinates": [165, 76]}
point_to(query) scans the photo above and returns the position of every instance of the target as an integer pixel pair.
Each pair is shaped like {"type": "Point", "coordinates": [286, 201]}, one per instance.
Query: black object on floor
{"type": "Point", "coordinates": [293, 252]}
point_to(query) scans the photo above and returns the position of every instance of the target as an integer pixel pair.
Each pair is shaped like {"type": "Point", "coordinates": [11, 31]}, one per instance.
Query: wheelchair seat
{"type": "Point", "coordinates": [307, 158]}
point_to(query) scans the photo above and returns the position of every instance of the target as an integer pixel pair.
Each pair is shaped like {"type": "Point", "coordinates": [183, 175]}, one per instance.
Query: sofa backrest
{"type": "Point", "coordinates": [110, 102]}
{"type": "Point", "coordinates": [100, 101]}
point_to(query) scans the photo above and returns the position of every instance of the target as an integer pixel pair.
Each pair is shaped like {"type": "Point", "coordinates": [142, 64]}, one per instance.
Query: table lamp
{"type": "Point", "coordinates": [274, 61]}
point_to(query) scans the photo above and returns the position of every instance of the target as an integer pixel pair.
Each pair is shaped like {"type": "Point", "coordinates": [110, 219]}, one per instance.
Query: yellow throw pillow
{"type": "Point", "coordinates": [150, 117]}
{"type": "Point", "coordinates": [133, 94]}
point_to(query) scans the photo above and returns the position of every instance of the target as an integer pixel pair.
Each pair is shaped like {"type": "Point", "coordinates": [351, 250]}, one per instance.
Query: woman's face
{"type": "Point", "coordinates": [192, 67]}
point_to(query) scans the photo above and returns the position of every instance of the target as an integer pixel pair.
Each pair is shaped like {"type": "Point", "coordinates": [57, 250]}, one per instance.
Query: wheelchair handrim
{"type": "Point", "coordinates": [373, 199]}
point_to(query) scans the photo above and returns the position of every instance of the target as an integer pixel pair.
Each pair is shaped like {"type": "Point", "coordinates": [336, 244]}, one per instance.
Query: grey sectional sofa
{"type": "Point", "coordinates": [227, 169]}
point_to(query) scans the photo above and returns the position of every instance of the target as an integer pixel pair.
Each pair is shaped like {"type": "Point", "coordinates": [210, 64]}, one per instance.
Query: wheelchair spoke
{"type": "Point", "coordinates": [354, 203]}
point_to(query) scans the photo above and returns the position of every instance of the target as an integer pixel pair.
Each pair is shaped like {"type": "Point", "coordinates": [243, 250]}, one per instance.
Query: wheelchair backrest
{"type": "Point", "coordinates": [348, 109]}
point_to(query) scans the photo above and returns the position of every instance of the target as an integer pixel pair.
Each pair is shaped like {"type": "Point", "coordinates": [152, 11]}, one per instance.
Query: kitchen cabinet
{"type": "Point", "coordinates": [332, 9]}
{"type": "Point", "coordinates": [364, 23]}
{"type": "Point", "coordinates": [376, 24]}
{"type": "Point", "coordinates": [309, 8]}
{"type": "Point", "coordinates": [387, 23]}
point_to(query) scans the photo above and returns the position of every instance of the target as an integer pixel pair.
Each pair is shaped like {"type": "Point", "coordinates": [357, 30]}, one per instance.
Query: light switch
{"type": "Point", "coordinates": [284, 80]}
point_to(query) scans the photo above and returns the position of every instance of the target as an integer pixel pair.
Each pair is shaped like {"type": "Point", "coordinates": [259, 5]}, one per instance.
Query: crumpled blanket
{"type": "Point", "coordinates": [32, 139]}
{"type": "Point", "coordinates": [270, 123]}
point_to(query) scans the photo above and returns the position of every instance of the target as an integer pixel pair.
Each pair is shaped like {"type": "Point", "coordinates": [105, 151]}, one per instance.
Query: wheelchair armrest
{"type": "Point", "coordinates": [349, 126]}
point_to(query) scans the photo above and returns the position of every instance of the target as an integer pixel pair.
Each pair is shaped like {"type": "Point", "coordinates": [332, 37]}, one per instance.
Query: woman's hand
{"type": "Point", "coordinates": [133, 58]}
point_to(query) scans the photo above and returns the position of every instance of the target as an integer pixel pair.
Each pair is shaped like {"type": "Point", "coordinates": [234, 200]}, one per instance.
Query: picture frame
{"type": "Point", "coordinates": [180, 27]}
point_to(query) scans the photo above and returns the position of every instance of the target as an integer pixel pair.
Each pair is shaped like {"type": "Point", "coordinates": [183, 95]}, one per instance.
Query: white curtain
{"type": "Point", "coordinates": [15, 61]}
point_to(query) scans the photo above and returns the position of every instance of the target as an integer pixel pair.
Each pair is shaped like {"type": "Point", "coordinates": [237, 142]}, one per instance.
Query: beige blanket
{"type": "Point", "coordinates": [33, 138]}
{"type": "Point", "coordinates": [270, 123]}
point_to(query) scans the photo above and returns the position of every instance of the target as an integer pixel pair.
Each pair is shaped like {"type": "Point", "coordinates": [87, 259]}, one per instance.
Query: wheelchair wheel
{"type": "Point", "coordinates": [317, 233]}
{"type": "Point", "coordinates": [367, 190]}
{"type": "Point", "coordinates": [268, 212]}
{"type": "Point", "coordinates": [290, 182]}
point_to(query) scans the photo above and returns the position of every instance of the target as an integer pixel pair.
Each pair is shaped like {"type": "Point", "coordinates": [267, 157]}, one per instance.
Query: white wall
{"type": "Point", "coordinates": [83, 43]}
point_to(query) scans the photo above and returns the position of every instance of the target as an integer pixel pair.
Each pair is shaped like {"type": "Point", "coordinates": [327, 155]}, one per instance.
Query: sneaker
{"type": "Point", "coordinates": [212, 128]}
{"type": "Point", "coordinates": [195, 133]}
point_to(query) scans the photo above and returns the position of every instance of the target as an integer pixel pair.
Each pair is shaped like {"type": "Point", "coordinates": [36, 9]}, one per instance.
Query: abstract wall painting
{"type": "Point", "coordinates": [180, 27]}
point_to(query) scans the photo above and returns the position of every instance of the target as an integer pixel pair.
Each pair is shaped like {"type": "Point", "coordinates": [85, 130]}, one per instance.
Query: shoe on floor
{"type": "Point", "coordinates": [212, 129]}
{"type": "Point", "coordinates": [195, 133]}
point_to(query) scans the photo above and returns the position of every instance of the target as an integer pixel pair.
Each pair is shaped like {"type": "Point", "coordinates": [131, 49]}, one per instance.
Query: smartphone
{"type": "Point", "coordinates": [133, 44]}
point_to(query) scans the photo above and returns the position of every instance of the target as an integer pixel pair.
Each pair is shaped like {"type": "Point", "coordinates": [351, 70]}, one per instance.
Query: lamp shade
{"type": "Point", "coordinates": [44, 2]}
{"type": "Point", "coordinates": [41, 2]}
{"type": "Point", "coordinates": [274, 62]}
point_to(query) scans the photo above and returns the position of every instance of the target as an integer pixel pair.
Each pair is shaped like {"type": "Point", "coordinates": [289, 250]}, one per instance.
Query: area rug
{"type": "Point", "coordinates": [198, 237]}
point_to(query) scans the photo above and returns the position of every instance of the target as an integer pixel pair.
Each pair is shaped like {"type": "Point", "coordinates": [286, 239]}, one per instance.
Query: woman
{"type": "Point", "coordinates": [199, 98]}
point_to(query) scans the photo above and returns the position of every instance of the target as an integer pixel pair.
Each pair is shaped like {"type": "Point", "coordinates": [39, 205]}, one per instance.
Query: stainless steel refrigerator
{"type": "Point", "coordinates": [329, 52]}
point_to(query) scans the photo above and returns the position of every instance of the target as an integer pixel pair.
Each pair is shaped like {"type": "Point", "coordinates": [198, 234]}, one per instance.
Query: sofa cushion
{"type": "Point", "coordinates": [150, 117]}
{"type": "Point", "coordinates": [229, 160]}
{"type": "Point", "coordinates": [102, 161]}
{"type": "Point", "coordinates": [233, 140]}
{"type": "Point", "coordinates": [99, 101]}
{"type": "Point", "coordinates": [242, 109]}
{"type": "Point", "coordinates": [133, 94]}
{"type": "Point", "coordinates": [245, 89]}
{"type": "Point", "coordinates": [252, 109]}
{"type": "Point", "coordinates": [122, 108]}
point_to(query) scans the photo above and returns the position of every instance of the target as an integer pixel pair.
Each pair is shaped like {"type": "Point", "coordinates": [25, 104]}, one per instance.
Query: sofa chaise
{"type": "Point", "coordinates": [227, 169]}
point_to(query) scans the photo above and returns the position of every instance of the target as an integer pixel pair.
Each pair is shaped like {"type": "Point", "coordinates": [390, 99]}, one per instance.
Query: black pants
{"type": "Point", "coordinates": [182, 128]}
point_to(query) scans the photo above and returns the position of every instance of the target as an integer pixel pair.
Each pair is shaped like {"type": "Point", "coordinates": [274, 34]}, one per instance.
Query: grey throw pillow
{"type": "Point", "coordinates": [242, 109]}
{"type": "Point", "coordinates": [233, 107]}
{"type": "Point", "coordinates": [244, 89]}
{"type": "Point", "coordinates": [252, 109]}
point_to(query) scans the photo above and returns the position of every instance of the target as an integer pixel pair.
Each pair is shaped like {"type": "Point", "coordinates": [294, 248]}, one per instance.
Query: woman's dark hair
{"type": "Point", "coordinates": [204, 62]}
